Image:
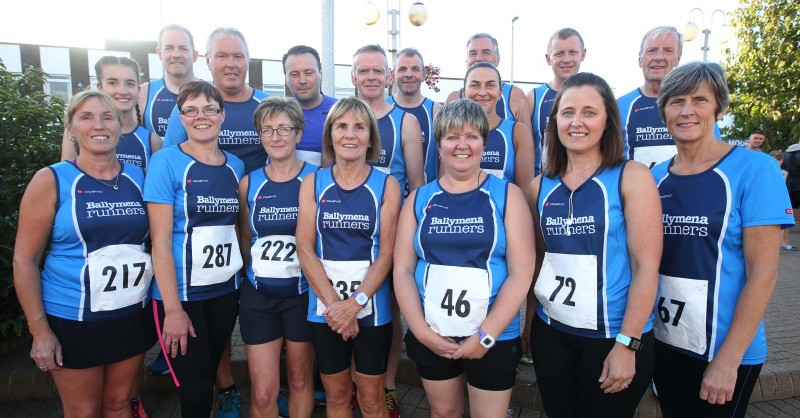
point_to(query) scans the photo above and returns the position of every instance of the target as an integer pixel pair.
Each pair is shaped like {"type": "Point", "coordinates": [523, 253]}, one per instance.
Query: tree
{"type": "Point", "coordinates": [764, 75]}
{"type": "Point", "coordinates": [30, 138]}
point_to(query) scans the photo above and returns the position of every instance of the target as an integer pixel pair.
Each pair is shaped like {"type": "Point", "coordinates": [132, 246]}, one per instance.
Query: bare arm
{"type": "Point", "coordinates": [761, 268]}
{"type": "Point", "coordinates": [155, 142]}
{"type": "Point", "coordinates": [177, 325]}
{"type": "Point", "coordinates": [531, 302]}
{"type": "Point", "coordinates": [525, 158]}
{"type": "Point", "coordinates": [412, 151]}
{"type": "Point", "coordinates": [245, 233]}
{"type": "Point", "coordinates": [37, 210]}
{"type": "Point", "coordinates": [644, 232]}
{"type": "Point", "coordinates": [454, 95]}
{"type": "Point", "coordinates": [519, 106]}
{"type": "Point", "coordinates": [405, 285]}
{"type": "Point", "coordinates": [144, 91]}
{"type": "Point", "coordinates": [520, 253]}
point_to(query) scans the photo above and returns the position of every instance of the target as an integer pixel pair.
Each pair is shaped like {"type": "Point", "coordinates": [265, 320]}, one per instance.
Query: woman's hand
{"type": "Point", "coordinates": [176, 331]}
{"type": "Point", "coordinates": [340, 315]}
{"type": "Point", "coordinates": [719, 380]}
{"type": "Point", "coordinates": [619, 367]}
{"type": "Point", "coordinates": [46, 352]}
{"type": "Point", "coordinates": [470, 349]}
{"type": "Point", "coordinates": [441, 346]}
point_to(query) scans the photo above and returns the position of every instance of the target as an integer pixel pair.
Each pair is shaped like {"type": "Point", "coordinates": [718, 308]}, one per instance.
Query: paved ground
{"type": "Point", "coordinates": [776, 395]}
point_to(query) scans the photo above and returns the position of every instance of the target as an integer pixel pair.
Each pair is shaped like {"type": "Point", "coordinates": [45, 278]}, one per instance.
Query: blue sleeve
{"type": "Point", "coordinates": [176, 132]}
{"type": "Point", "coordinates": [765, 200]}
{"type": "Point", "coordinates": [159, 186]}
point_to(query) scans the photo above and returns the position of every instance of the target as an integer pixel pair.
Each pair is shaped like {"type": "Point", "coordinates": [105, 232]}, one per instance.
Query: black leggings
{"type": "Point", "coordinates": [678, 378]}
{"type": "Point", "coordinates": [568, 366]}
{"type": "Point", "coordinates": [213, 321]}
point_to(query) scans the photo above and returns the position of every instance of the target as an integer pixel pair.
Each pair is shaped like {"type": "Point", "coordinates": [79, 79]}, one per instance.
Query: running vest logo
{"type": "Point", "coordinates": [490, 157]}
{"type": "Point", "coordinates": [104, 209]}
{"type": "Point", "coordinates": [581, 225]}
{"type": "Point", "coordinates": [653, 133]}
{"type": "Point", "coordinates": [273, 213]}
{"type": "Point", "coordinates": [643, 108]}
{"type": "Point", "coordinates": [212, 204]}
{"type": "Point", "coordinates": [163, 121]}
{"type": "Point", "coordinates": [231, 137]}
{"type": "Point", "coordinates": [345, 221]}
{"type": "Point", "coordinates": [81, 191]}
{"type": "Point", "coordinates": [190, 181]}
{"type": "Point", "coordinates": [131, 159]}
{"type": "Point", "coordinates": [330, 201]}
{"type": "Point", "coordinates": [685, 225]}
{"type": "Point", "coordinates": [546, 204]}
{"type": "Point", "coordinates": [435, 205]}
{"type": "Point", "coordinates": [267, 197]}
{"type": "Point", "coordinates": [456, 225]}
{"type": "Point", "coordinates": [159, 99]}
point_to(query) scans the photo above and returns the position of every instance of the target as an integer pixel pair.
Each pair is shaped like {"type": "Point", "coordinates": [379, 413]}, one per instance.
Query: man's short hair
{"type": "Point", "coordinates": [487, 36]}
{"type": "Point", "coordinates": [409, 52]}
{"type": "Point", "coordinates": [563, 33]}
{"type": "Point", "coordinates": [173, 26]}
{"type": "Point", "coordinates": [226, 32]}
{"type": "Point", "coordinates": [299, 50]}
{"type": "Point", "coordinates": [659, 32]}
{"type": "Point", "coordinates": [372, 48]}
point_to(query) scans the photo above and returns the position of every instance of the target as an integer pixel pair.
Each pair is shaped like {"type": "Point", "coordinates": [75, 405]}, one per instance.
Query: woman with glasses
{"type": "Point", "coordinates": [274, 298]}
{"type": "Point", "coordinates": [345, 239]}
{"type": "Point", "coordinates": [192, 195]}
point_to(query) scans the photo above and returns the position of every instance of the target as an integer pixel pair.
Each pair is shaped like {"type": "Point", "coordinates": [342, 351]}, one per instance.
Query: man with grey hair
{"type": "Point", "coordinates": [512, 103]}
{"type": "Point", "coordinates": [565, 53]}
{"type": "Point", "coordinates": [158, 97]}
{"type": "Point", "coordinates": [646, 136]}
{"type": "Point", "coordinates": [401, 137]}
{"type": "Point", "coordinates": [228, 60]}
{"type": "Point", "coordinates": [409, 71]}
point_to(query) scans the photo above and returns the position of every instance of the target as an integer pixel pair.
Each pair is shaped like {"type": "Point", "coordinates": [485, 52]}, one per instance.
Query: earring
{"type": "Point", "coordinates": [73, 139]}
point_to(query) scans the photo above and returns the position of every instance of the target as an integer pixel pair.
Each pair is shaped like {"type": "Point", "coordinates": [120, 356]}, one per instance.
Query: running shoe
{"type": "Point", "coordinates": [159, 366]}
{"type": "Point", "coordinates": [283, 403]}
{"type": "Point", "coordinates": [526, 360]}
{"type": "Point", "coordinates": [228, 404]}
{"type": "Point", "coordinates": [319, 398]}
{"type": "Point", "coordinates": [788, 248]}
{"type": "Point", "coordinates": [392, 404]}
{"type": "Point", "coordinates": [137, 409]}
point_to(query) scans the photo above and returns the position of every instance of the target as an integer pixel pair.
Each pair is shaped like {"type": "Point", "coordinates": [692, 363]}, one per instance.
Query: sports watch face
{"type": "Point", "coordinates": [362, 299]}
{"type": "Point", "coordinates": [487, 341]}
{"type": "Point", "coordinates": [635, 344]}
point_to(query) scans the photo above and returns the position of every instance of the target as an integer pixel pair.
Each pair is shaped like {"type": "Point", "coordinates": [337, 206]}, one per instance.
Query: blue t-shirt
{"type": "Point", "coordinates": [392, 161]}
{"type": "Point", "coordinates": [205, 204]}
{"type": "Point", "coordinates": [92, 218]}
{"type": "Point", "coordinates": [309, 149]}
{"type": "Point", "coordinates": [586, 273]}
{"type": "Point", "coordinates": [465, 230]}
{"type": "Point", "coordinates": [499, 154]}
{"type": "Point", "coordinates": [703, 270]}
{"type": "Point", "coordinates": [273, 220]}
{"type": "Point", "coordinates": [157, 110]}
{"type": "Point", "coordinates": [348, 230]}
{"type": "Point", "coordinates": [646, 137]}
{"type": "Point", "coordinates": [134, 147]}
{"type": "Point", "coordinates": [544, 97]}
{"type": "Point", "coordinates": [430, 154]}
{"type": "Point", "coordinates": [237, 136]}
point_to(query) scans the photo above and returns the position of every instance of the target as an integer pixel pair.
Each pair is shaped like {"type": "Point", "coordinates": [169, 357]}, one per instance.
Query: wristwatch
{"type": "Point", "coordinates": [633, 343]}
{"type": "Point", "coordinates": [361, 298]}
{"type": "Point", "coordinates": [486, 340]}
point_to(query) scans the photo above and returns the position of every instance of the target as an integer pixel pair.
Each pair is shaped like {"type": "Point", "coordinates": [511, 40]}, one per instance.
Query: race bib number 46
{"type": "Point", "coordinates": [567, 289]}
{"type": "Point", "coordinates": [119, 276]}
{"type": "Point", "coordinates": [456, 299]}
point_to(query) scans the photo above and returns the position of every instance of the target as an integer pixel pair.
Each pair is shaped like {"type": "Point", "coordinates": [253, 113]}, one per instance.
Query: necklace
{"type": "Point", "coordinates": [113, 186]}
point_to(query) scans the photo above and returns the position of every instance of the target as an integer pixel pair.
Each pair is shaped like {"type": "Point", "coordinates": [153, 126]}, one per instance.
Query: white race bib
{"type": "Point", "coordinates": [119, 276]}
{"type": "Point", "coordinates": [275, 257]}
{"type": "Point", "coordinates": [312, 157]}
{"type": "Point", "coordinates": [382, 169]}
{"type": "Point", "coordinates": [346, 276]}
{"type": "Point", "coordinates": [456, 299]}
{"type": "Point", "coordinates": [657, 154]}
{"type": "Point", "coordinates": [215, 254]}
{"type": "Point", "coordinates": [496, 173]}
{"type": "Point", "coordinates": [567, 289]}
{"type": "Point", "coordinates": [680, 313]}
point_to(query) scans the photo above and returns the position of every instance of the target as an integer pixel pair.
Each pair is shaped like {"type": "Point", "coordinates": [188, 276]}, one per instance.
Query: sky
{"type": "Point", "coordinates": [612, 30]}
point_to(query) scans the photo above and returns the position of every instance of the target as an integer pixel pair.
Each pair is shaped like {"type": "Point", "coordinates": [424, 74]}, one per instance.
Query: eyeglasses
{"type": "Point", "coordinates": [192, 112]}
{"type": "Point", "coordinates": [282, 131]}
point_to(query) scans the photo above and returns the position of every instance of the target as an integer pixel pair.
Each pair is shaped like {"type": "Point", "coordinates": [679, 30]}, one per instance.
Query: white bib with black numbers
{"type": "Point", "coordinates": [496, 173]}
{"type": "Point", "coordinates": [680, 313]}
{"type": "Point", "coordinates": [275, 256]}
{"type": "Point", "coordinates": [215, 254]}
{"type": "Point", "coordinates": [119, 276]}
{"type": "Point", "coordinates": [346, 276]}
{"type": "Point", "coordinates": [567, 289]}
{"type": "Point", "coordinates": [456, 299]}
{"type": "Point", "coordinates": [654, 155]}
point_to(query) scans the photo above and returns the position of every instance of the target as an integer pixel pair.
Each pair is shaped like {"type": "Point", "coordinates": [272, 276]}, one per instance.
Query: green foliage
{"type": "Point", "coordinates": [30, 132]}
{"type": "Point", "coordinates": [764, 75]}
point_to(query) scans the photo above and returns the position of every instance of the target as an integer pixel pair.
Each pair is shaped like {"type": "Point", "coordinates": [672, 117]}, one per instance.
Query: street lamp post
{"type": "Point", "coordinates": [417, 15]}
{"type": "Point", "coordinates": [692, 29]}
{"type": "Point", "coordinates": [512, 47]}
